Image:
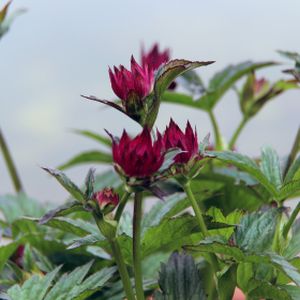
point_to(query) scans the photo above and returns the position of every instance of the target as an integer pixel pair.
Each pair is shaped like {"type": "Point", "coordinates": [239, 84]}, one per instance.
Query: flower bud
{"type": "Point", "coordinates": [107, 199]}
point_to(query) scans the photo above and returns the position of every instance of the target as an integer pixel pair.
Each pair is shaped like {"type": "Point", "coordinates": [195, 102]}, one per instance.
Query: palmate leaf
{"type": "Point", "coordinates": [69, 286]}
{"type": "Point", "coordinates": [179, 279]}
{"type": "Point", "coordinates": [88, 157]}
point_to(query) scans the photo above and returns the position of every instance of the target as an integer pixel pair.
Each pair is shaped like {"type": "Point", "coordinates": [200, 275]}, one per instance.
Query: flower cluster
{"type": "Point", "coordinates": [142, 156]}
{"type": "Point", "coordinates": [106, 197]}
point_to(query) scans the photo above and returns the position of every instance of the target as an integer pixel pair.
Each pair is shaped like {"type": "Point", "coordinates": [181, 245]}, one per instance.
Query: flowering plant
{"type": "Point", "coordinates": [220, 221]}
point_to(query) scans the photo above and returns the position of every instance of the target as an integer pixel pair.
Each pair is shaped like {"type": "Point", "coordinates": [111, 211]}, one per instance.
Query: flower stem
{"type": "Point", "coordinates": [291, 220]}
{"type": "Point", "coordinates": [237, 132]}
{"type": "Point", "coordinates": [122, 269]}
{"type": "Point", "coordinates": [202, 225]}
{"type": "Point", "coordinates": [121, 206]}
{"type": "Point", "coordinates": [217, 134]}
{"type": "Point", "coordinates": [10, 165]}
{"type": "Point", "coordinates": [137, 217]}
{"type": "Point", "coordinates": [117, 254]}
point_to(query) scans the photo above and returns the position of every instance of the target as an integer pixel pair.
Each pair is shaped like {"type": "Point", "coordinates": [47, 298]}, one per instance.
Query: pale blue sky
{"type": "Point", "coordinates": [61, 49]}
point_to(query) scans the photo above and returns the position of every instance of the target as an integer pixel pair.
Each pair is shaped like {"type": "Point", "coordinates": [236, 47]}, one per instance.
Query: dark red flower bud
{"type": "Point", "coordinates": [154, 58]}
{"type": "Point", "coordinates": [18, 255]}
{"type": "Point", "coordinates": [106, 197]}
{"type": "Point", "coordinates": [136, 83]}
{"type": "Point", "coordinates": [139, 157]}
{"type": "Point", "coordinates": [187, 142]}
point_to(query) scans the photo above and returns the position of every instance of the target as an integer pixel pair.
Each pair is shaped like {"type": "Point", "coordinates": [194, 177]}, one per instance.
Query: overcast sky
{"type": "Point", "coordinates": [61, 49]}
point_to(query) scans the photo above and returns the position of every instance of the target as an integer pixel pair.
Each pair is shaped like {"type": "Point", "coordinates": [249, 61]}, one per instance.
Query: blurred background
{"type": "Point", "coordinates": [61, 49]}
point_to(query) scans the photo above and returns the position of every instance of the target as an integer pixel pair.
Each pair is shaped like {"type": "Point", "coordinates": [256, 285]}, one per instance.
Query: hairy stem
{"type": "Point", "coordinates": [122, 205]}
{"type": "Point", "coordinates": [10, 165]}
{"type": "Point", "coordinates": [237, 132]}
{"type": "Point", "coordinates": [291, 220]}
{"type": "Point", "coordinates": [217, 134]}
{"type": "Point", "coordinates": [137, 218]}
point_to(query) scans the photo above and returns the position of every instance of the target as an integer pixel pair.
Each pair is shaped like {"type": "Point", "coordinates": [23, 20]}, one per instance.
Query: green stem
{"type": "Point", "coordinates": [213, 259]}
{"type": "Point", "coordinates": [237, 132]}
{"type": "Point", "coordinates": [10, 165]}
{"type": "Point", "coordinates": [291, 220]}
{"type": "Point", "coordinates": [117, 254]}
{"type": "Point", "coordinates": [122, 270]}
{"type": "Point", "coordinates": [122, 205]}
{"type": "Point", "coordinates": [137, 218]}
{"type": "Point", "coordinates": [217, 134]}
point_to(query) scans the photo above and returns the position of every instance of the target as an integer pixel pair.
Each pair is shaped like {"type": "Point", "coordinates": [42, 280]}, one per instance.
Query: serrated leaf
{"type": "Point", "coordinates": [256, 231]}
{"type": "Point", "coordinates": [66, 183]}
{"type": "Point", "coordinates": [289, 190]}
{"type": "Point", "coordinates": [248, 165]}
{"type": "Point", "coordinates": [62, 210]}
{"type": "Point", "coordinates": [35, 285]}
{"type": "Point", "coordinates": [94, 156]}
{"type": "Point", "coordinates": [293, 172]}
{"type": "Point", "coordinates": [224, 80]}
{"type": "Point", "coordinates": [179, 279]}
{"type": "Point", "coordinates": [270, 166]}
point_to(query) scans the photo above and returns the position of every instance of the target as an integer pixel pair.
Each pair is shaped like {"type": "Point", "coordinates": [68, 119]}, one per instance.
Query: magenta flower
{"type": "Point", "coordinates": [154, 58]}
{"type": "Point", "coordinates": [186, 141]}
{"type": "Point", "coordinates": [106, 197]}
{"type": "Point", "coordinates": [134, 84]}
{"type": "Point", "coordinates": [139, 157]}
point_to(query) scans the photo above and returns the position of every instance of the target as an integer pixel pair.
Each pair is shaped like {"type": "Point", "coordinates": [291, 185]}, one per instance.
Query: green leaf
{"type": "Point", "coordinates": [94, 156]}
{"type": "Point", "coordinates": [293, 248]}
{"type": "Point", "coordinates": [66, 183]}
{"type": "Point", "coordinates": [268, 291]}
{"type": "Point", "coordinates": [244, 275]}
{"type": "Point", "coordinates": [248, 165]}
{"type": "Point", "coordinates": [270, 166]}
{"type": "Point", "coordinates": [179, 98]}
{"type": "Point", "coordinates": [256, 231]}
{"type": "Point", "coordinates": [16, 206]}
{"type": "Point", "coordinates": [7, 251]}
{"type": "Point", "coordinates": [289, 190]}
{"type": "Point", "coordinates": [75, 226]}
{"type": "Point", "coordinates": [35, 285]}
{"type": "Point", "coordinates": [65, 209]}
{"type": "Point", "coordinates": [68, 287]}
{"type": "Point", "coordinates": [95, 136]}
{"type": "Point", "coordinates": [179, 279]}
{"type": "Point", "coordinates": [293, 291]}
{"type": "Point", "coordinates": [227, 283]}
{"type": "Point", "coordinates": [293, 172]}
{"type": "Point", "coordinates": [225, 79]}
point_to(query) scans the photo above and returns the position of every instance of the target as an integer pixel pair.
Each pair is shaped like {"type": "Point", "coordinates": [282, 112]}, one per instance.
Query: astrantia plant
{"type": "Point", "coordinates": [219, 222]}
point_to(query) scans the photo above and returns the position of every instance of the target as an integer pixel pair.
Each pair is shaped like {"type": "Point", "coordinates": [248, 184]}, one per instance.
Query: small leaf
{"type": "Point", "coordinates": [88, 157]}
{"type": "Point", "coordinates": [66, 183]}
{"type": "Point", "coordinates": [289, 190]}
{"type": "Point", "coordinates": [179, 98]}
{"type": "Point", "coordinates": [179, 279]}
{"type": "Point", "coordinates": [293, 172]}
{"type": "Point", "coordinates": [270, 166]}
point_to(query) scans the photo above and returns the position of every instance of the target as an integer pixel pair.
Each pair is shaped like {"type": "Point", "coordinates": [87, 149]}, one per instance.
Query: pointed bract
{"type": "Point", "coordinates": [155, 58]}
